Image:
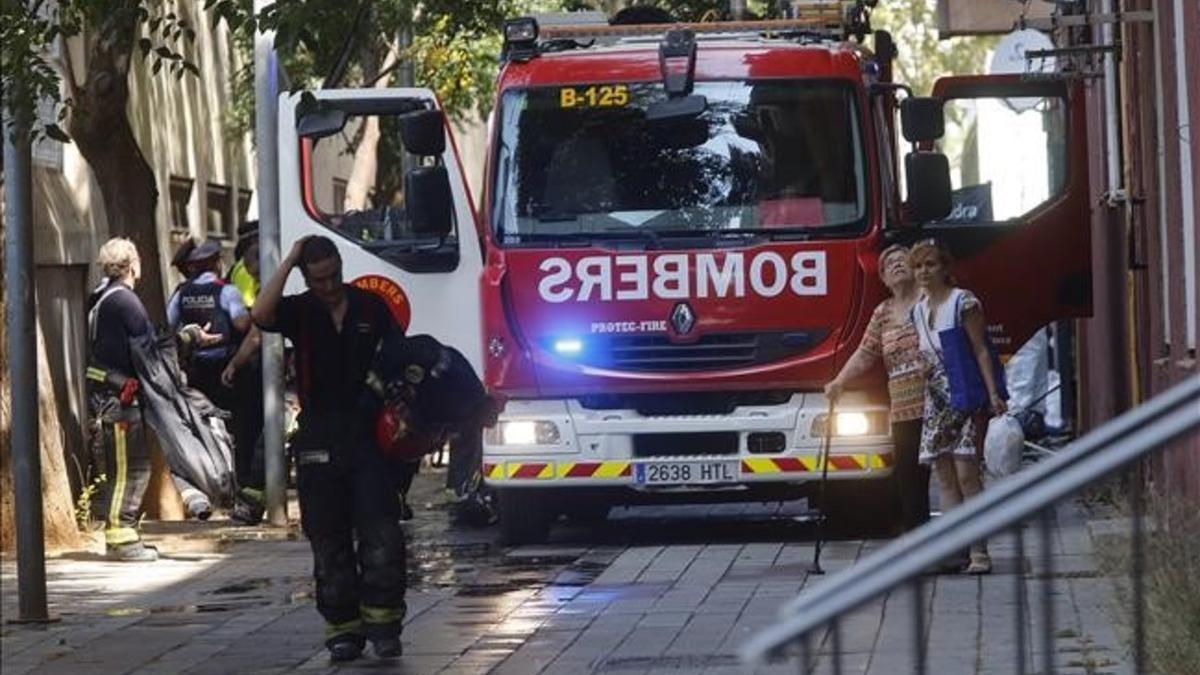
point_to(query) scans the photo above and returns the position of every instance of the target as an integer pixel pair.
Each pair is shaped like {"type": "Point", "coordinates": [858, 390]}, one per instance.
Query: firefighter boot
{"type": "Point", "coordinates": [345, 648]}
{"type": "Point", "coordinates": [387, 648]}
{"type": "Point", "coordinates": [247, 508]}
{"type": "Point", "coordinates": [134, 551]}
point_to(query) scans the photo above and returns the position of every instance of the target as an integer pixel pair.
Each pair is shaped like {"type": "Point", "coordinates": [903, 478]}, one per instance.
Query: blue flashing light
{"type": "Point", "coordinates": [568, 346]}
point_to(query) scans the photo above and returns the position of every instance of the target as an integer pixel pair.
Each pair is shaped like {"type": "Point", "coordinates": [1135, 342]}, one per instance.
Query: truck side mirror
{"type": "Point", "coordinates": [423, 132]}
{"type": "Point", "coordinates": [320, 122]}
{"type": "Point", "coordinates": [430, 206]}
{"type": "Point", "coordinates": [921, 119]}
{"type": "Point", "coordinates": [928, 178]}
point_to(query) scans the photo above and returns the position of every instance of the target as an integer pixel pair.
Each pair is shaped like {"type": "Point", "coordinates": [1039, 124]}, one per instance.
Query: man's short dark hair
{"type": "Point", "coordinates": [247, 235]}
{"type": "Point", "coordinates": [316, 249]}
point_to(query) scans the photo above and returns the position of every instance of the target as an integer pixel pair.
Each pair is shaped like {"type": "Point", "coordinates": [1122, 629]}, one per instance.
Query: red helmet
{"type": "Point", "coordinates": [396, 435]}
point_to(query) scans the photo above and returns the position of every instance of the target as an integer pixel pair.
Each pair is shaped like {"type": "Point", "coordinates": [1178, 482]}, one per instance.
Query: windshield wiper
{"type": "Point", "coordinates": [581, 238]}
{"type": "Point", "coordinates": [801, 233]}
{"type": "Point", "coordinates": [654, 239]}
{"type": "Point", "coordinates": [648, 235]}
{"type": "Point", "coordinates": [557, 217]}
{"type": "Point", "coordinates": [407, 245]}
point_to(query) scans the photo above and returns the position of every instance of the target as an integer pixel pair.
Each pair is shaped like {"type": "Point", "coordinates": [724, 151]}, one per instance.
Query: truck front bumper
{"type": "Point", "coordinates": [597, 448]}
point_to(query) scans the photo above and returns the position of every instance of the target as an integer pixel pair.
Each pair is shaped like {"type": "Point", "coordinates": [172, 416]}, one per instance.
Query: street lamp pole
{"type": "Point", "coordinates": [266, 88]}
{"type": "Point", "coordinates": [22, 364]}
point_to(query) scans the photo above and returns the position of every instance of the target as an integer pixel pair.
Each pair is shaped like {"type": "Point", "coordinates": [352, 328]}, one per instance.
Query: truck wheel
{"type": "Point", "coordinates": [523, 516]}
{"type": "Point", "coordinates": [861, 507]}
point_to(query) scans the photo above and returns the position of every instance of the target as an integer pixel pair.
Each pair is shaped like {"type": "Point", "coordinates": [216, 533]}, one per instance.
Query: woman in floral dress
{"type": "Point", "coordinates": [949, 438]}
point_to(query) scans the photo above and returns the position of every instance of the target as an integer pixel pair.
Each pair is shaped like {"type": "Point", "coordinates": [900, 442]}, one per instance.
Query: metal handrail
{"type": "Point", "coordinates": [1003, 491]}
{"type": "Point", "coordinates": [1098, 454]}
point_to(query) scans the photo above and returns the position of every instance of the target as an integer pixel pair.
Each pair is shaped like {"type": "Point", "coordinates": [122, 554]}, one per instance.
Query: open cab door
{"type": "Point", "coordinates": [1019, 223]}
{"type": "Point", "coordinates": [377, 171]}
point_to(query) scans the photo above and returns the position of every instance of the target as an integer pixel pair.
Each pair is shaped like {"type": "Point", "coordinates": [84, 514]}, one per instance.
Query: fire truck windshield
{"type": "Point", "coordinates": [584, 162]}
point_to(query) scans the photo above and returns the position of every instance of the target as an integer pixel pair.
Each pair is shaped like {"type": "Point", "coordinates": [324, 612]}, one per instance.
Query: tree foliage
{"type": "Point", "coordinates": [924, 57]}
{"type": "Point", "coordinates": [31, 34]}
{"type": "Point", "coordinates": [452, 49]}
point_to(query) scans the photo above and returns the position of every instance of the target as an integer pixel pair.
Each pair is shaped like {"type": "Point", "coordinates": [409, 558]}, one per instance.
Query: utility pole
{"type": "Point", "coordinates": [266, 88]}
{"type": "Point", "coordinates": [22, 364]}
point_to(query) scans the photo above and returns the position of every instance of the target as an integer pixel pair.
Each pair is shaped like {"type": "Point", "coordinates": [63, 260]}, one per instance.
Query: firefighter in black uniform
{"type": "Point", "coordinates": [208, 301]}
{"type": "Point", "coordinates": [348, 489]}
{"type": "Point", "coordinates": [115, 315]}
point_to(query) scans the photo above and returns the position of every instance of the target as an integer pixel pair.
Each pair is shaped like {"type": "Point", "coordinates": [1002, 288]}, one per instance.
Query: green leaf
{"type": "Point", "coordinates": [144, 45]}
{"type": "Point", "coordinates": [157, 67]}
{"type": "Point", "coordinates": [191, 68]}
{"type": "Point", "coordinates": [163, 52]}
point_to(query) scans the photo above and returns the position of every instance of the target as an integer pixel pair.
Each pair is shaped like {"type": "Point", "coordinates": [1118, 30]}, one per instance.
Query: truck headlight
{"type": "Point", "coordinates": [525, 432]}
{"type": "Point", "coordinates": [848, 424]}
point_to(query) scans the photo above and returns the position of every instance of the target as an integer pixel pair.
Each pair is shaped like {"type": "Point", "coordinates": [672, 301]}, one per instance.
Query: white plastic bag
{"type": "Point", "coordinates": [1003, 445]}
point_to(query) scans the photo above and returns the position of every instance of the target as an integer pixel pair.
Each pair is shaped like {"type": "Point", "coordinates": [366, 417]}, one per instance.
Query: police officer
{"type": "Point", "coordinates": [208, 301]}
{"type": "Point", "coordinates": [115, 316]}
{"type": "Point", "coordinates": [348, 489]}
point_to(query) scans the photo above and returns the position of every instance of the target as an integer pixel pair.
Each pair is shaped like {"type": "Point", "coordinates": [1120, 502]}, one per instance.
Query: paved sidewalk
{"type": "Point", "coordinates": [572, 607]}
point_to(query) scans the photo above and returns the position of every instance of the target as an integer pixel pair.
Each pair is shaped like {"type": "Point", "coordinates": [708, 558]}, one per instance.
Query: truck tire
{"type": "Point", "coordinates": [861, 507]}
{"type": "Point", "coordinates": [524, 518]}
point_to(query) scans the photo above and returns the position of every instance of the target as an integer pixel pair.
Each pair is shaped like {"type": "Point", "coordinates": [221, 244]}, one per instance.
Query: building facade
{"type": "Point", "coordinates": [1144, 117]}
{"type": "Point", "coordinates": [205, 178]}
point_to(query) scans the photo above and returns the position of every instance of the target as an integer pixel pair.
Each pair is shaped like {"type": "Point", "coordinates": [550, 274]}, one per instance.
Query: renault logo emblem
{"type": "Point", "coordinates": [683, 319]}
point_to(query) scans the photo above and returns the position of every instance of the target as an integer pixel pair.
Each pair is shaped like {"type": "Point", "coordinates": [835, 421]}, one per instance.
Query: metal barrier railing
{"type": "Point", "coordinates": [1003, 506]}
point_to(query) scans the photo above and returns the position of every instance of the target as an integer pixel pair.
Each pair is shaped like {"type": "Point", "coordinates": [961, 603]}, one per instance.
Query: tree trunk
{"type": "Point", "coordinates": [100, 128]}
{"type": "Point", "coordinates": [366, 156]}
{"type": "Point", "coordinates": [58, 519]}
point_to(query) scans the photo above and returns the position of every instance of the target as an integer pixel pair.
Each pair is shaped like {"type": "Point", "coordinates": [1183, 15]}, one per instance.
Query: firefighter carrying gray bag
{"type": "Point", "coordinates": [190, 429]}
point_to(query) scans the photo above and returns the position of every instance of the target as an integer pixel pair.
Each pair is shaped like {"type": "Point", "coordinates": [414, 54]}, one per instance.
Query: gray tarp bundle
{"type": "Point", "coordinates": [190, 429]}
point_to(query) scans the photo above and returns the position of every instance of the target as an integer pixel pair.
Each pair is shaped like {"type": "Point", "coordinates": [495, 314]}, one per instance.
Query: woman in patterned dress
{"type": "Point", "coordinates": [949, 438]}
{"type": "Point", "coordinates": [892, 339]}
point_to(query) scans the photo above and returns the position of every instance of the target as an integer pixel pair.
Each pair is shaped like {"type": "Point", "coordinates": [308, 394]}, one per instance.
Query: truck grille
{"type": "Point", "coordinates": [714, 351]}
{"type": "Point", "coordinates": [685, 403]}
{"type": "Point", "coordinates": [685, 444]}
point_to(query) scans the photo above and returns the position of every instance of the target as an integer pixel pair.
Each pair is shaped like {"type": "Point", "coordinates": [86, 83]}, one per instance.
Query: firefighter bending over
{"type": "Point", "coordinates": [116, 315]}
{"type": "Point", "coordinates": [348, 489]}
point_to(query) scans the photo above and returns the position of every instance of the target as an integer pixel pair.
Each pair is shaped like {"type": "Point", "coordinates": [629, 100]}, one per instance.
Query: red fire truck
{"type": "Point", "coordinates": [677, 242]}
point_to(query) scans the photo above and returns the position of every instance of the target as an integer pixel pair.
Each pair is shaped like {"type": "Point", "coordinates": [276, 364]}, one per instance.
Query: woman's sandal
{"type": "Point", "coordinates": [981, 563]}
